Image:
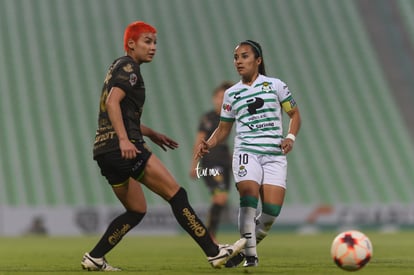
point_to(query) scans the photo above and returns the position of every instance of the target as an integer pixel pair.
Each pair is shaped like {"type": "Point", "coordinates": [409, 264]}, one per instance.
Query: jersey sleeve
{"type": "Point", "coordinates": [285, 96]}
{"type": "Point", "coordinates": [125, 76]}
{"type": "Point", "coordinates": [227, 113]}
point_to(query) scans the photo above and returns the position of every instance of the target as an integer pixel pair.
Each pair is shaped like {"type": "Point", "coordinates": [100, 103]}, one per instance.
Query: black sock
{"type": "Point", "coordinates": [191, 223]}
{"type": "Point", "coordinates": [115, 232]}
{"type": "Point", "coordinates": [214, 218]}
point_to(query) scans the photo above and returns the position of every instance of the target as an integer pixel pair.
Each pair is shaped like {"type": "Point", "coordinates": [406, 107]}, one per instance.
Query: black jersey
{"type": "Point", "coordinates": [124, 73]}
{"type": "Point", "coordinates": [220, 154]}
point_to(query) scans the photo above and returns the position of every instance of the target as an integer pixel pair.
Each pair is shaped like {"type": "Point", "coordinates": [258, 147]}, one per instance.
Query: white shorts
{"type": "Point", "coordinates": [260, 168]}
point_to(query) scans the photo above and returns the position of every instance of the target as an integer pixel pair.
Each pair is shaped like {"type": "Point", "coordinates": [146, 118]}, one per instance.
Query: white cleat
{"type": "Point", "coordinates": [96, 264]}
{"type": "Point", "coordinates": [226, 252]}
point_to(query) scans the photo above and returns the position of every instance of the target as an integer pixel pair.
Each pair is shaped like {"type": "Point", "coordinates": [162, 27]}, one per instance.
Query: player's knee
{"type": "Point", "coordinates": [220, 198]}
{"type": "Point", "coordinates": [271, 209]}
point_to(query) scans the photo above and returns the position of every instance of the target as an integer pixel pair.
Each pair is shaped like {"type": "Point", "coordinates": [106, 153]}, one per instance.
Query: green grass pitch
{"type": "Point", "coordinates": [280, 253]}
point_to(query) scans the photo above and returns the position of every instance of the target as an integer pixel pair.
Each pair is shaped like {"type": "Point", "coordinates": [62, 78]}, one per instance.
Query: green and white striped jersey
{"type": "Point", "coordinates": [257, 111]}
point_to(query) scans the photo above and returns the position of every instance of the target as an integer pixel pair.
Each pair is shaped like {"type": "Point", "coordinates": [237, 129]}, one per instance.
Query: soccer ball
{"type": "Point", "coordinates": [351, 250]}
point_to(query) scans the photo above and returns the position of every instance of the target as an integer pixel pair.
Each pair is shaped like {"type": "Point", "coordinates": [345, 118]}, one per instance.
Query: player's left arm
{"type": "Point", "coordinates": [160, 139]}
{"type": "Point", "coordinates": [295, 121]}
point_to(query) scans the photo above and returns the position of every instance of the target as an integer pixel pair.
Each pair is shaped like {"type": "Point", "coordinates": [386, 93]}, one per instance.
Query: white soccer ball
{"type": "Point", "coordinates": [351, 250]}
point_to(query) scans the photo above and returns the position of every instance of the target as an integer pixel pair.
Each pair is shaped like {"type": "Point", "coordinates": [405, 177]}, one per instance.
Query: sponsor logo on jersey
{"type": "Point", "coordinates": [254, 104]}
{"type": "Point", "coordinates": [262, 125]}
{"type": "Point", "coordinates": [133, 79]}
{"type": "Point", "coordinates": [256, 117]}
{"type": "Point", "coordinates": [104, 136]}
{"type": "Point", "coordinates": [226, 107]}
{"type": "Point", "coordinates": [128, 68]}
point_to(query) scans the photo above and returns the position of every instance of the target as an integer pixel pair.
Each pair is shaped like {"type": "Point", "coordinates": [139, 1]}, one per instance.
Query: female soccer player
{"type": "Point", "coordinates": [255, 104]}
{"type": "Point", "coordinates": [126, 161]}
{"type": "Point", "coordinates": [218, 160]}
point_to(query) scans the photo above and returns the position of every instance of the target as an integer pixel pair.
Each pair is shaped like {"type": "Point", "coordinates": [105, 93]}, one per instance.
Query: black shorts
{"type": "Point", "coordinates": [117, 169]}
{"type": "Point", "coordinates": [220, 182]}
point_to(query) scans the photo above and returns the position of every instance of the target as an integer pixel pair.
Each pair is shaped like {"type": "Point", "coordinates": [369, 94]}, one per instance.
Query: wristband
{"type": "Point", "coordinates": [291, 136]}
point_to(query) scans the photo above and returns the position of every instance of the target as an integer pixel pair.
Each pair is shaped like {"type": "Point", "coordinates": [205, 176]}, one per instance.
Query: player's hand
{"type": "Point", "coordinates": [163, 141]}
{"type": "Point", "coordinates": [128, 149]}
{"type": "Point", "coordinates": [287, 145]}
{"type": "Point", "coordinates": [193, 173]}
{"type": "Point", "coordinates": [203, 148]}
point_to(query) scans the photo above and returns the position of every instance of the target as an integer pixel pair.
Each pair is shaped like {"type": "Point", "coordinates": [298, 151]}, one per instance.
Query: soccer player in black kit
{"type": "Point", "coordinates": [127, 162]}
{"type": "Point", "coordinates": [218, 160]}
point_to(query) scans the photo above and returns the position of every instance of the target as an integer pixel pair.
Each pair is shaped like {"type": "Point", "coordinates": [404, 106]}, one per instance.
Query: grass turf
{"type": "Point", "coordinates": [280, 253]}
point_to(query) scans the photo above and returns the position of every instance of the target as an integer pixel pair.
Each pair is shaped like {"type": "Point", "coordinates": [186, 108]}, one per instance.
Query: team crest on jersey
{"type": "Point", "coordinates": [226, 107]}
{"type": "Point", "coordinates": [242, 171]}
{"type": "Point", "coordinates": [133, 79]}
{"type": "Point", "coordinates": [128, 68]}
{"type": "Point", "coordinates": [266, 87]}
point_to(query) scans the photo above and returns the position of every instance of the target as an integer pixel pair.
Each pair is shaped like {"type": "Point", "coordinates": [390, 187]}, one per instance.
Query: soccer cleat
{"type": "Point", "coordinates": [96, 264]}
{"type": "Point", "coordinates": [226, 252]}
{"type": "Point", "coordinates": [251, 261]}
{"type": "Point", "coordinates": [236, 260]}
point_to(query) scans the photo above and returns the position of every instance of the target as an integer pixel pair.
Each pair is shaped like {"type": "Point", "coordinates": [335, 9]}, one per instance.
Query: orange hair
{"type": "Point", "coordinates": [134, 30]}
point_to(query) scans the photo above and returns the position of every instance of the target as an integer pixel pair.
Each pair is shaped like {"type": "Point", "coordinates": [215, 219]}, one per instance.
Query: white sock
{"type": "Point", "coordinates": [247, 227]}
{"type": "Point", "coordinates": [264, 223]}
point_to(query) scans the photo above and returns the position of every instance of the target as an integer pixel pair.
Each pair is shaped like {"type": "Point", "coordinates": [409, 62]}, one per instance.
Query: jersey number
{"type": "Point", "coordinates": [243, 159]}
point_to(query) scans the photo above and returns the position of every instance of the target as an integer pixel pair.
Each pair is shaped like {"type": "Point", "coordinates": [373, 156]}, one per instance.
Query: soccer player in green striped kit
{"type": "Point", "coordinates": [255, 105]}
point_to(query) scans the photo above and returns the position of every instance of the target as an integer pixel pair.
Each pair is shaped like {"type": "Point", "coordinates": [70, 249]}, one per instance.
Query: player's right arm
{"type": "Point", "coordinates": [219, 135]}
{"type": "Point", "coordinates": [227, 117]}
{"type": "Point", "coordinates": [113, 107]}
{"type": "Point", "coordinates": [201, 136]}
